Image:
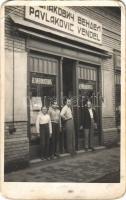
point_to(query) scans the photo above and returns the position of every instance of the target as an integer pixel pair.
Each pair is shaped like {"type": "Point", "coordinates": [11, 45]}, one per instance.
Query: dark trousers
{"type": "Point", "coordinates": [70, 135]}
{"type": "Point", "coordinates": [44, 140]}
{"type": "Point", "coordinates": [55, 138]}
{"type": "Point", "coordinates": [89, 136]}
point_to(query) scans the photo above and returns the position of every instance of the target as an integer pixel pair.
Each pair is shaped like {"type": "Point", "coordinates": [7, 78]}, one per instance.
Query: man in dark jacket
{"type": "Point", "coordinates": [89, 124]}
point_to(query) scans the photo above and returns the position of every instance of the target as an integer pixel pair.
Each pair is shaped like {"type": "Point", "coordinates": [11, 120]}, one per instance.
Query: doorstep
{"type": "Point", "coordinates": [64, 155]}
{"type": "Point", "coordinates": [39, 160]}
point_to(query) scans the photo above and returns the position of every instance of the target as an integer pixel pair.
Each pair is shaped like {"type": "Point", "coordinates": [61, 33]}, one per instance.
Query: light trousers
{"type": "Point", "coordinates": [70, 135]}
{"type": "Point", "coordinates": [89, 136]}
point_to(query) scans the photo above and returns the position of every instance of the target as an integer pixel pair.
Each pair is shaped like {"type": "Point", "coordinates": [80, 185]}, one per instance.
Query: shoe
{"type": "Point", "coordinates": [57, 155]}
{"type": "Point", "coordinates": [73, 154]}
{"type": "Point", "coordinates": [92, 149]}
{"type": "Point", "coordinates": [86, 149]}
{"type": "Point", "coordinates": [48, 158]}
{"type": "Point", "coordinates": [52, 157]}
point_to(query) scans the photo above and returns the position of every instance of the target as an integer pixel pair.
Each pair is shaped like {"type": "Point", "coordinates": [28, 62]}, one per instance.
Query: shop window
{"type": "Point", "coordinates": [88, 86]}
{"type": "Point", "coordinates": [43, 88]}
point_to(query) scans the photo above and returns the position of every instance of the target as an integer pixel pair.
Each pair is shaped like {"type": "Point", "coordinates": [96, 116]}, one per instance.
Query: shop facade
{"type": "Point", "coordinates": [53, 53]}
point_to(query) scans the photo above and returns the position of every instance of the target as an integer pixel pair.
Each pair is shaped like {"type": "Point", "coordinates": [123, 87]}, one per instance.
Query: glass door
{"type": "Point", "coordinates": [88, 90]}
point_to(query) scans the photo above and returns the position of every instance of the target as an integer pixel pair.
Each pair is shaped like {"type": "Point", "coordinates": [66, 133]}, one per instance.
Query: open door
{"type": "Point", "coordinates": [69, 90]}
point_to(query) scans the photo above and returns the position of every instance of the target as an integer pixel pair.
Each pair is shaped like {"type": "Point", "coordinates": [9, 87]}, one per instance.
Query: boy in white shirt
{"type": "Point", "coordinates": [44, 128]}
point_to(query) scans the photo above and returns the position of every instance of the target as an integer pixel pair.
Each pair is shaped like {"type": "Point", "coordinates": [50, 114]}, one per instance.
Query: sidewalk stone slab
{"type": "Point", "coordinates": [84, 167]}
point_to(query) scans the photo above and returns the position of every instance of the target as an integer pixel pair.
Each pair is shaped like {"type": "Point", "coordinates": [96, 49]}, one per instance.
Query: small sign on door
{"type": "Point", "coordinates": [83, 86]}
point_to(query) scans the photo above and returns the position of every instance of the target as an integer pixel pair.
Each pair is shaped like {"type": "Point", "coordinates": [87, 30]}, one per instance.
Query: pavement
{"type": "Point", "coordinates": [84, 167]}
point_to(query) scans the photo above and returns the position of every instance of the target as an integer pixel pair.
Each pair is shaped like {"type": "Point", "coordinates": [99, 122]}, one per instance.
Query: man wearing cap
{"type": "Point", "coordinates": [54, 113]}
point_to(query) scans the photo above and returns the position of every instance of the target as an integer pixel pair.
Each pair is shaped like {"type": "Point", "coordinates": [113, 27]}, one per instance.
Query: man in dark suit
{"type": "Point", "coordinates": [89, 124]}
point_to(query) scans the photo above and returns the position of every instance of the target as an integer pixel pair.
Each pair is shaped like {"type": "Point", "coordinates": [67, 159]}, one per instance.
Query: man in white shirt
{"type": "Point", "coordinates": [66, 114]}
{"type": "Point", "coordinates": [44, 128]}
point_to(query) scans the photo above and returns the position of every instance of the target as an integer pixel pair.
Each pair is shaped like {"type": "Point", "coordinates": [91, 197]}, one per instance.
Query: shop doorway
{"type": "Point", "coordinates": [69, 91]}
{"type": "Point", "coordinates": [68, 79]}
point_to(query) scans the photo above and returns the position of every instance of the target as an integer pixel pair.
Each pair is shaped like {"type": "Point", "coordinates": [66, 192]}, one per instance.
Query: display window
{"type": "Point", "coordinates": [43, 91]}
{"type": "Point", "coordinates": [88, 87]}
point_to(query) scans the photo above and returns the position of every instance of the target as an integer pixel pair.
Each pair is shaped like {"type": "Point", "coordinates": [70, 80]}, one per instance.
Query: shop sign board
{"type": "Point", "coordinates": [42, 81]}
{"type": "Point", "coordinates": [67, 21]}
{"type": "Point", "coordinates": [83, 86]}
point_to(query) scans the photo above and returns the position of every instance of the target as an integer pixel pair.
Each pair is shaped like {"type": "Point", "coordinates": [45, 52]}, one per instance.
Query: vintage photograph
{"type": "Point", "coordinates": [62, 94]}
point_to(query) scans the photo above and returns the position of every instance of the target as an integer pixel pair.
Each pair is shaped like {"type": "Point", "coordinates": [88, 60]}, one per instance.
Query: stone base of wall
{"type": "Point", "coordinates": [16, 151]}
{"type": "Point", "coordinates": [16, 154]}
{"type": "Point", "coordinates": [15, 165]}
{"type": "Point", "coordinates": [111, 136]}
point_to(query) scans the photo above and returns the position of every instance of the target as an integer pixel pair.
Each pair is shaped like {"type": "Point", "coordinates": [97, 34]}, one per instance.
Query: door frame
{"type": "Point", "coordinates": [75, 90]}
{"type": "Point", "coordinates": [98, 89]}
{"type": "Point", "coordinates": [38, 55]}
